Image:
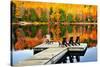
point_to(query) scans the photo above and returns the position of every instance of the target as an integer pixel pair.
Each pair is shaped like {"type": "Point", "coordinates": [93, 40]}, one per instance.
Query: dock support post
{"type": "Point", "coordinates": [78, 58]}
{"type": "Point", "coordinates": [63, 59]}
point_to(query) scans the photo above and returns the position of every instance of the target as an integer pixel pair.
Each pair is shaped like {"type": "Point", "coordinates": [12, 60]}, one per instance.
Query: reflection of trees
{"type": "Point", "coordinates": [69, 18]}
{"type": "Point", "coordinates": [55, 23]}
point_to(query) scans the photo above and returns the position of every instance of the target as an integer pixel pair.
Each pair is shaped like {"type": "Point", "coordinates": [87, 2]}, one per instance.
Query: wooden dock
{"type": "Point", "coordinates": [48, 56]}
{"type": "Point", "coordinates": [52, 54]}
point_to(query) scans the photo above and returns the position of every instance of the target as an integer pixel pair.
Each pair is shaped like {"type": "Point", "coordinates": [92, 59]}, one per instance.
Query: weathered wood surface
{"type": "Point", "coordinates": [80, 47]}
{"type": "Point", "coordinates": [54, 45]}
{"type": "Point", "coordinates": [48, 56]}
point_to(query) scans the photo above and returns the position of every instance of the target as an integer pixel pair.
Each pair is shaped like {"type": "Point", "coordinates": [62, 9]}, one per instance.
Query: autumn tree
{"type": "Point", "coordinates": [13, 11]}
{"type": "Point", "coordinates": [89, 17]}
{"type": "Point", "coordinates": [77, 19]}
{"type": "Point", "coordinates": [26, 16]}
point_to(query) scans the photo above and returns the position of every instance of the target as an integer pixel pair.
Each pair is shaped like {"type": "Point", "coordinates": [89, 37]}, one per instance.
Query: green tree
{"type": "Point", "coordinates": [33, 15]}
{"type": "Point", "coordinates": [63, 16]}
{"type": "Point", "coordinates": [51, 11]}
{"type": "Point", "coordinates": [44, 17]}
{"type": "Point", "coordinates": [25, 17]}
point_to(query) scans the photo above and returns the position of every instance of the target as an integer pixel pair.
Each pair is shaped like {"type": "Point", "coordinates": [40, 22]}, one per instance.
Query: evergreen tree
{"type": "Point", "coordinates": [63, 16]}
{"type": "Point", "coordinates": [51, 11]}
{"type": "Point", "coordinates": [44, 17]}
{"type": "Point", "coordinates": [33, 15]}
{"type": "Point", "coordinates": [25, 17]}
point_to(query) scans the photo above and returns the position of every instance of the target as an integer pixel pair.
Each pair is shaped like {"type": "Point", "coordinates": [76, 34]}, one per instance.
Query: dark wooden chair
{"type": "Point", "coordinates": [71, 41]}
{"type": "Point", "coordinates": [77, 41]}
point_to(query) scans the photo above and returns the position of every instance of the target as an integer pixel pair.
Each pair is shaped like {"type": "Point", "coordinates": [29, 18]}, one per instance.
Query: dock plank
{"type": "Point", "coordinates": [48, 56]}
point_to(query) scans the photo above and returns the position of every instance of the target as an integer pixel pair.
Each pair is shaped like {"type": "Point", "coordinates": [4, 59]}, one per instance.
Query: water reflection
{"type": "Point", "coordinates": [34, 34]}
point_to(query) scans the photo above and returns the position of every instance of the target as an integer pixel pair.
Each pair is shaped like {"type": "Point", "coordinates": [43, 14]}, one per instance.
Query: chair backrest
{"type": "Point", "coordinates": [64, 41]}
{"type": "Point", "coordinates": [77, 40]}
{"type": "Point", "coordinates": [71, 40]}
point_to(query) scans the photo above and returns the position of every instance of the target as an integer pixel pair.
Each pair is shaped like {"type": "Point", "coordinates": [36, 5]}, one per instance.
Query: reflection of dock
{"type": "Point", "coordinates": [52, 54]}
